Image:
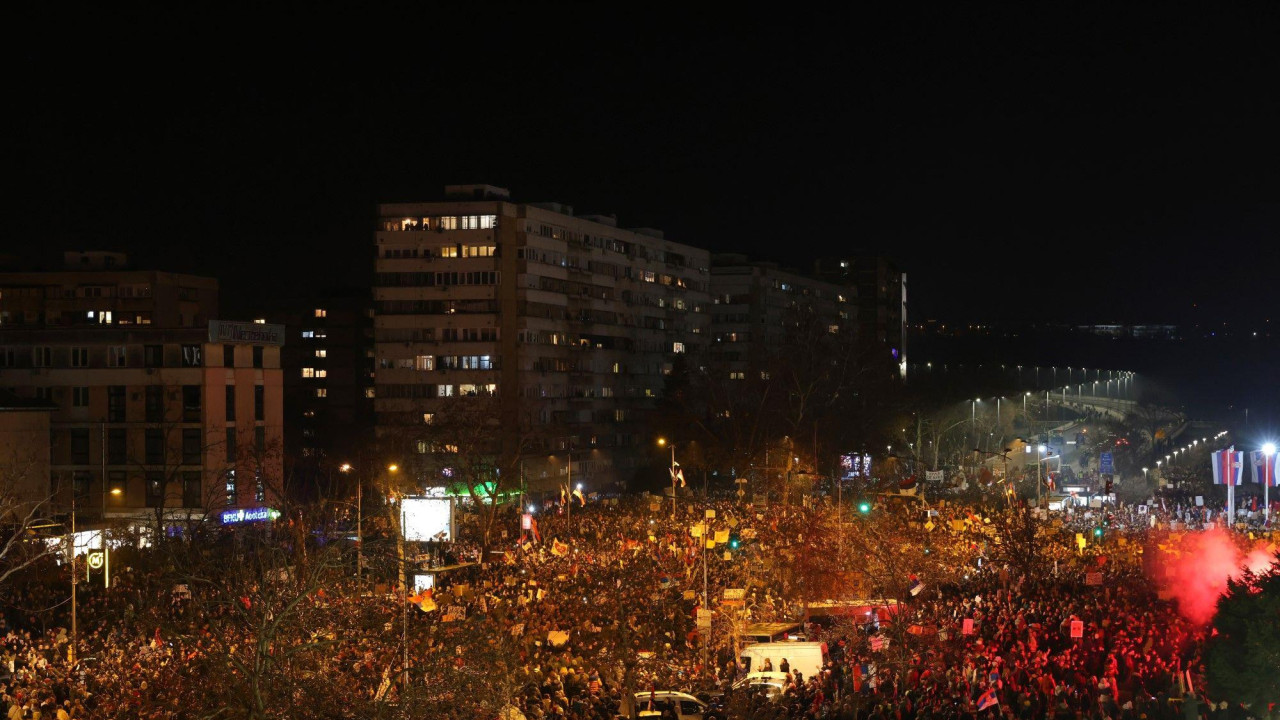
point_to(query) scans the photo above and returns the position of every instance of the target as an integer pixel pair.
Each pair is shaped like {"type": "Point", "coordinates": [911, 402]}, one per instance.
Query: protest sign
{"type": "Point", "coordinates": [1077, 628]}
{"type": "Point", "coordinates": [966, 628]}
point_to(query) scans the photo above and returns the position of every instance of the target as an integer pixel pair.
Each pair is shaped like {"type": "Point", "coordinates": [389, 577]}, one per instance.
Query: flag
{"type": "Point", "coordinates": [533, 526]}
{"type": "Point", "coordinates": [564, 494]}
{"type": "Point", "coordinates": [1226, 466]}
{"type": "Point", "coordinates": [916, 586]}
{"type": "Point", "coordinates": [1264, 468]}
{"type": "Point", "coordinates": [677, 474]}
{"type": "Point", "coordinates": [987, 699]}
{"type": "Point", "coordinates": [558, 548]}
{"type": "Point", "coordinates": [582, 502]}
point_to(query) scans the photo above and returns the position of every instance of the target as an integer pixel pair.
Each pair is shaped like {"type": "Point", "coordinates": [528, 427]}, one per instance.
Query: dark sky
{"type": "Point", "coordinates": [1045, 163]}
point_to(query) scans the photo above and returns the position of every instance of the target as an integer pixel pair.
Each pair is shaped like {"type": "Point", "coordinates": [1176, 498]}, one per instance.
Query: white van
{"type": "Point", "coordinates": [685, 706]}
{"type": "Point", "coordinates": [807, 657]}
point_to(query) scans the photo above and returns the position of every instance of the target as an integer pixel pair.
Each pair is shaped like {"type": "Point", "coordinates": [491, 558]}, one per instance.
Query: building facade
{"type": "Point", "coordinates": [328, 377]}
{"type": "Point", "coordinates": [161, 409]}
{"type": "Point", "coordinates": [882, 299]}
{"type": "Point", "coordinates": [756, 307]}
{"type": "Point", "coordinates": [569, 325]}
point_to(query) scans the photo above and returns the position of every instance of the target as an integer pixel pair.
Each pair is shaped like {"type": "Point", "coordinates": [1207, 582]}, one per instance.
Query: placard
{"type": "Point", "coordinates": [966, 628]}
{"type": "Point", "coordinates": [1093, 578]}
{"type": "Point", "coordinates": [1077, 628]}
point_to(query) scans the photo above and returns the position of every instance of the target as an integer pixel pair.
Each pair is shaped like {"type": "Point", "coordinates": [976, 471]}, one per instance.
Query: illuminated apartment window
{"type": "Point", "coordinates": [449, 222]}
{"type": "Point", "coordinates": [322, 392]}
{"type": "Point", "coordinates": [322, 353]}
{"type": "Point", "coordinates": [737, 376]}
{"type": "Point", "coordinates": [478, 250]}
{"type": "Point", "coordinates": [321, 372]}
{"type": "Point", "coordinates": [424, 362]}
{"type": "Point", "coordinates": [444, 391]}
{"type": "Point", "coordinates": [308, 372]}
{"type": "Point", "coordinates": [649, 276]}
{"type": "Point", "coordinates": [369, 392]}
{"type": "Point", "coordinates": [427, 418]}
{"type": "Point", "coordinates": [259, 321]}
{"type": "Point", "coordinates": [449, 251]}
{"type": "Point", "coordinates": [833, 329]}
{"type": "Point", "coordinates": [677, 347]}
{"type": "Point", "coordinates": [321, 312]}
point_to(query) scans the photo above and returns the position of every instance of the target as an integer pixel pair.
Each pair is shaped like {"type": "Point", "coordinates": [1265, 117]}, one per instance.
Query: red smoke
{"type": "Point", "coordinates": [1197, 569]}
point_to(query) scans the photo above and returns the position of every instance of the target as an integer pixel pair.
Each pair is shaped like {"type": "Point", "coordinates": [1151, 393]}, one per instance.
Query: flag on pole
{"type": "Point", "coordinates": [677, 474]}
{"type": "Point", "coordinates": [582, 502]}
{"type": "Point", "coordinates": [564, 494]}
{"type": "Point", "coordinates": [916, 586]}
{"type": "Point", "coordinates": [1226, 467]}
{"type": "Point", "coordinates": [1264, 468]}
{"type": "Point", "coordinates": [987, 699]}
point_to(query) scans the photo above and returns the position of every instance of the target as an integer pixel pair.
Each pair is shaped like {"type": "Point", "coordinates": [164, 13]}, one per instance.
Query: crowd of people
{"type": "Point", "coordinates": [583, 613]}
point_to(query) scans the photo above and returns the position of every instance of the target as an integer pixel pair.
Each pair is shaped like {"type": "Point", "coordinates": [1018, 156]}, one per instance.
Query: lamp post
{"type": "Point", "coordinates": [662, 442]}
{"type": "Point", "coordinates": [71, 549]}
{"type": "Point", "coordinates": [347, 468]}
{"type": "Point", "coordinates": [1268, 479]}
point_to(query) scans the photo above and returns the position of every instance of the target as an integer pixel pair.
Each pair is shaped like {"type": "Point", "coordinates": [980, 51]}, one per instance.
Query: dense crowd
{"type": "Point", "coordinates": [573, 616]}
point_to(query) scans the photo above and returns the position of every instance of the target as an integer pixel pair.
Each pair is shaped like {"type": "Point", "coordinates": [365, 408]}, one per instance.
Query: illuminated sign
{"type": "Point", "coordinates": [96, 560]}
{"type": "Point", "coordinates": [221, 331]}
{"type": "Point", "coordinates": [427, 518]}
{"type": "Point", "coordinates": [242, 515]}
{"type": "Point", "coordinates": [855, 466]}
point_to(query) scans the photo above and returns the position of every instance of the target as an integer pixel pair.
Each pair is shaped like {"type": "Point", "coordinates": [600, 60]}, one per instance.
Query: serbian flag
{"type": "Point", "coordinates": [677, 475]}
{"type": "Point", "coordinates": [1264, 468]}
{"type": "Point", "coordinates": [1227, 465]}
{"type": "Point", "coordinates": [987, 699]}
{"type": "Point", "coordinates": [916, 586]}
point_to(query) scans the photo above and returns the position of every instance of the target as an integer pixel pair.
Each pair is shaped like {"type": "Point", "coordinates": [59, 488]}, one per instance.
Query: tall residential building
{"type": "Point", "coordinates": [572, 323]}
{"type": "Point", "coordinates": [161, 409]}
{"type": "Point", "coordinates": [328, 376]}
{"type": "Point", "coordinates": [756, 307]}
{"type": "Point", "coordinates": [882, 298]}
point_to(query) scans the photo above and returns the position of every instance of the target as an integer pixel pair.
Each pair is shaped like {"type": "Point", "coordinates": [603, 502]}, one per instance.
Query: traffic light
{"type": "Point", "coordinates": [864, 507]}
{"type": "Point", "coordinates": [1108, 487]}
{"type": "Point", "coordinates": [1097, 532]}
{"type": "Point", "coordinates": [734, 540]}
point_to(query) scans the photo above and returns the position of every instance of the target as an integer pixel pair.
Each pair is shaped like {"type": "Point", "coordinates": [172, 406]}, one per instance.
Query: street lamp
{"type": "Point", "coordinates": [346, 468]}
{"type": "Point", "coordinates": [1268, 478]}
{"type": "Point", "coordinates": [662, 442]}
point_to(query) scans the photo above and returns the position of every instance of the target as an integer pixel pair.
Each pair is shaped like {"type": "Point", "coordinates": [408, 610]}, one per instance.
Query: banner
{"type": "Point", "coordinates": [933, 476]}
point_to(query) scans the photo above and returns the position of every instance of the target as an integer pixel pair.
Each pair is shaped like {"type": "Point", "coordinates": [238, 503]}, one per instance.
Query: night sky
{"type": "Point", "coordinates": [1024, 164]}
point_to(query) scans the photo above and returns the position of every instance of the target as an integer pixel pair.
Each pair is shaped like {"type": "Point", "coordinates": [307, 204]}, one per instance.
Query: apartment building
{"type": "Point", "coordinates": [328, 376]}
{"type": "Point", "coordinates": [757, 307]}
{"type": "Point", "coordinates": [882, 298]}
{"type": "Point", "coordinates": [569, 325]}
{"type": "Point", "coordinates": [159, 406]}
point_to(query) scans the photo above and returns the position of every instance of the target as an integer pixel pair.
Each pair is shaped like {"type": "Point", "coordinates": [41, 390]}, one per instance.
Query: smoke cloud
{"type": "Point", "coordinates": [1195, 571]}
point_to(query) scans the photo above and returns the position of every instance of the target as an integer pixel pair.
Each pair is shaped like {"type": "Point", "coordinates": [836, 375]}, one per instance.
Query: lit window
{"type": "Point", "coordinates": [308, 333]}
{"type": "Point", "coordinates": [677, 347]}
{"type": "Point", "coordinates": [321, 312]}
{"type": "Point", "coordinates": [833, 329]}
{"type": "Point", "coordinates": [764, 375]}
{"type": "Point", "coordinates": [321, 372]}
{"type": "Point", "coordinates": [322, 353]}
{"type": "Point", "coordinates": [322, 392]}
{"type": "Point", "coordinates": [449, 222]}
{"type": "Point", "coordinates": [256, 321]}
{"type": "Point", "coordinates": [449, 251]}
{"type": "Point", "coordinates": [737, 376]}
{"type": "Point", "coordinates": [308, 372]}
{"type": "Point", "coordinates": [427, 418]}
{"type": "Point", "coordinates": [424, 362]}
{"type": "Point", "coordinates": [444, 391]}
{"type": "Point", "coordinates": [649, 276]}
{"type": "Point", "coordinates": [369, 392]}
